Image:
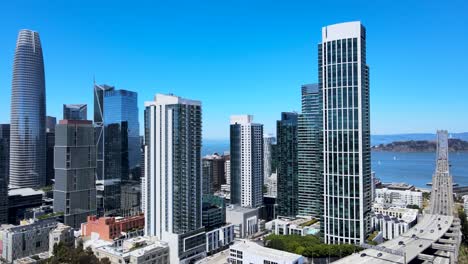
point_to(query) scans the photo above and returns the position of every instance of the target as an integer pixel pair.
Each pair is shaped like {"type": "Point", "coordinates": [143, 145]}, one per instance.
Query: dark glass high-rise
{"type": "Point", "coordinates": [75, 112]}
{"type": "Point", "coordinates": [118, 146]}
{"type": "Point", "coordinates": [4, 165]}
{"type": "Point", "coordinates": [286, 134]}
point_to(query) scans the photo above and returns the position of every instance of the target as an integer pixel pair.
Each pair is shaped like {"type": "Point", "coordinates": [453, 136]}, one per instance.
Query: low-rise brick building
{"type": "Point", "coordinates": [110, 228]}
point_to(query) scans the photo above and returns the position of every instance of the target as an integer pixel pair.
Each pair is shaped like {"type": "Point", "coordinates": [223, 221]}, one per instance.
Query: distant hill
{"type": "Point", "coordinates": [386, 139]}
{"type": "Point", "coordinates": [455, 145]}
{"type": "Point", "coordinates": [220, 145]}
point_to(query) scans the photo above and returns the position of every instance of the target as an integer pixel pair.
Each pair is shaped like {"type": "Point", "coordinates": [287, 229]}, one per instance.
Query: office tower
{"type": "Point", "coordinates": [118, 146]}
{"type": "Point", "coordinates": [227, 171]}
{"type": "Point", "coordinates": [213, 173]}
{"type": "Point", "coordinates": [4, 165]}
{"type": "Point", "coordinates": [173, 128]}
{"type": "Point", "coordinates": [75, 112]}
{"type": "Point", "coordinates": [5, 137]}
{"type": "Point", "coordinates": [142, 176]}
{"type": "Point", "coordinates": [268, 141]}
{"type": "Point", "coordinates": [246, 161]}
{"type": "Point", "coordinates": [344, 84]}
{"type": "Point", "coordinates": [287, 181]}
{"type": "Point", "coordinates": [309, 153]}
{"type": "Point", "coordinates": [28, 114]}
{"type": "Point", "coordinates": [51, 122]}
{"type": "Point", "coordinates": [213, 212]}
{"type": "Point", "coordinates": [207, 177]}
{"type": "Point", "coordinates": [75, 168]}
{"type": "Point", "coordinates": [122, 148]}
{"type": "Point", "coordinates": [104, 187]}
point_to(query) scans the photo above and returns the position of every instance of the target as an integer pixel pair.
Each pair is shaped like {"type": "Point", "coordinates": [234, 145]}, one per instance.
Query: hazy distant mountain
{"type": "Point", "coordinates": [386, 139]}
{"type": "Point", "coordinates": [220, 145]}
{"type": "Point", "coordinates": [455, 145]}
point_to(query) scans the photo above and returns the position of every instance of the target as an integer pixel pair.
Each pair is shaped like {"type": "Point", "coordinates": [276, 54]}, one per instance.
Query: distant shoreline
{"type": "Point", "coordinates": [415, 151]}
{"type": "Point", "coordinates": [455, 145]}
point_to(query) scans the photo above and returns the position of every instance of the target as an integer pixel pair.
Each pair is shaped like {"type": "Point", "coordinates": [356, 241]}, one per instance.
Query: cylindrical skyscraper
{"type": "Point", "coordinates": [28, 113]}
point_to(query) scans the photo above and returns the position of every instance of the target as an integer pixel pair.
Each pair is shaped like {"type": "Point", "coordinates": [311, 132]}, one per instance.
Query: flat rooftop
{"type": "Point", "coordinates": [240, 209]}
{"type": "Point", "coordinates": [218, 258]}
{"type": "Point", "coordinates": [268, 253]}
{"type": "Point", "coordinates": [148, 245]}
{"type": "Point", "coordinates": [24, 192]}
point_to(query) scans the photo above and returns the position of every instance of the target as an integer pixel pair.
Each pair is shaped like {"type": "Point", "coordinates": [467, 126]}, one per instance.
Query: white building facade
{"type": "Point", "coordinates": [26, 240]}
{"type": "Point", "coordinates": [398, 198]}
{"type": "Point", "coordinates": [393, 221]}
{"type": "Point", "coordinates": [246, 252]}
{"type": "Point", "coordinates": [246, 161]}
{"type": "Point", "coordinates": [138, 250]}
{"type": "Point", "coordinates": [219, 238]}
{"type": "Point", "coordinates": [62, 233]}
{"type": "Point", "coordinates": [245, 220]}
{"type": "Point", "coordinates": [293, 226]}
{"type": "Point", "coordinates": [344, 85]}
{"type": "Point", "coordinates": [173, 209]}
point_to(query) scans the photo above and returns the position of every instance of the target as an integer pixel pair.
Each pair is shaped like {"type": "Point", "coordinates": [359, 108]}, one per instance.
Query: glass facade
{"type": "Point", "coordinates": [344, 84]}
{"type": "Point", "coordinates": [118, 146]}
{"type": "Point", "coordinates": [310, 181]}
{"type": "Point", "coordinates": [213, 173]}
{"type": "Point", "coordinates": [75, 112]}
{"type": "Point", "coordinates": [268, 142]}
{"type": "Point", "coordinates": [28, 114]}
{"type": "Point", "coordinates": [121, 106]}
{"type": "Point", "coordinates": [235, 163]}
{"type": "Point", "coordinates": [287, 173]}
{"type": "Point", "coordinates": [4, 165]}
{"type": "Point", "coordinates": [99, 127]}
{"type": "Point", "coordinates": [5, 136]}
{"type": "Point", "coordinates": [122, 145]}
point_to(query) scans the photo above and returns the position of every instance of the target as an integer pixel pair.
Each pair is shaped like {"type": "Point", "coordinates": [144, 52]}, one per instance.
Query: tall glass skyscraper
{"type": "Point", "coordinates": [118, 145]}
{"type": "Point", "coordinates": [173, 179]}
{"type": "Point", "coordinates": [286, 134]}
{"type": "Point", "coordinates": [121, 107]}
{"type": "Point", "coordinates": [309, 137]}
{"type": "Point", "coordinates": [344, 84]}
{"type": "Point", "coordinates": [5, 137]}
{"type": "Point", "coordinates": [28, 113]}
{"type": "Point", "coordinates": [4, 165]}
{"type": "Point", "coordinates": [51, 122]}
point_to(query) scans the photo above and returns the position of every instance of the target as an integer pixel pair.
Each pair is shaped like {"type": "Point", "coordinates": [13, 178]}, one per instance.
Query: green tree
{"type": "Point", "coordinates": [71, 255]}
{"type": "Point", "coordinates": [105, 261]}
{"type": "Point", "coordinates": [464, 225]}
{"type": "Point", "coordinates": [308, 246]}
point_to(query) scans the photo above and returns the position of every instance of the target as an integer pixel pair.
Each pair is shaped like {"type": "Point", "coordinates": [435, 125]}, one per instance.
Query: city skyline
{"type": "Point", "coordinates": [136, 184]}
{"type": "Point", "coordinates": [243, 63]}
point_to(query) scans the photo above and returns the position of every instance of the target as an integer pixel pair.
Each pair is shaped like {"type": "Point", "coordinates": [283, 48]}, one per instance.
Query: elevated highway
{"type": "Point", "coordinates": [436, 238]}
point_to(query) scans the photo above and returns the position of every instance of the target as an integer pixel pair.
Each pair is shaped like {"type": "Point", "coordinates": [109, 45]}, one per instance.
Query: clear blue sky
{"type": "Point", "coordinates": [246, 56]}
